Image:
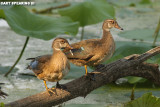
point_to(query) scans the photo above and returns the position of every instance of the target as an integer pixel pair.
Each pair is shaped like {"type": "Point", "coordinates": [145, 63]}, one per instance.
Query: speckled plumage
{"type": "Point", "coordinates": [51, 67]}
{"type": "Point", "coordinates": [91, 52]}
{"type": "Point", "coordinates": [94, 51]}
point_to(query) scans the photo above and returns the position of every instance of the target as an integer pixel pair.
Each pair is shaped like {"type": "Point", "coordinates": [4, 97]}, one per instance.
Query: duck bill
{"type": "Point", "coordinates": [70, 49]}
{"type": "Point", "coordinates": [118, 27]}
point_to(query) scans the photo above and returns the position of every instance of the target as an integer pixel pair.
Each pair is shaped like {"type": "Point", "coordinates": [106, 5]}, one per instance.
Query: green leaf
{"type": "Point", "coordinates": [2, 14]}
{"type": "Point", "coordinates": [43, 27]}
{"type": "Point", "coordinates": [2, 104]}
{"type": "Point", "coordinates": [147, 100]}
{"type": "Point", "coordinates": [133, 80]}
{"type": "Point", "coordinates": [139, 34]}
{"type": "Point", "coordinates": [145, 2]}
{"type": "Point", "coordinates": [126, 48]}
{"type": "Point", "coordinates": [89, 12]}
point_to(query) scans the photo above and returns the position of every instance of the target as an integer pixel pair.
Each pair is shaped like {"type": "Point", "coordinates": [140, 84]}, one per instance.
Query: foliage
{"type": "Point", "coordinates": [126, 48]}
{"type": "Point", "coordinates": [147, 100]}
{"type": "Point", "coordinates": [43, 27]}
{"type": "Point", "coordinates": [2, 104]}
{"type": "Point", "coordinates": [89, 12]}
{"type": "Point", "coordinates": [2, 14]}
{"type": "Point", "coordinates": [132, 79]}
{"type": "Point", "coordinates": [145, 2]}
{"type": "Point", "coordinates": [139, 34]}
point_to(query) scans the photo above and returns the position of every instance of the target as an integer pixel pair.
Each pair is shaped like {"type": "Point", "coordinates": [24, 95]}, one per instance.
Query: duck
{"type": "Point", "coordinates": [92, 52]}
{"type": "Point", "coordinates": [53, 67]}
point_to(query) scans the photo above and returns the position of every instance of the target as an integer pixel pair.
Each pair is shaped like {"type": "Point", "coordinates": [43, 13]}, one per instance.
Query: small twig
{"type": "Point", "coordinates": [132, 93]}
{"type": "Point", "coordinates": [155, 35]}
{"type": "Point", "coordinates": [82, 33]}
{"type": "Point", "coordinates": [49, 10]}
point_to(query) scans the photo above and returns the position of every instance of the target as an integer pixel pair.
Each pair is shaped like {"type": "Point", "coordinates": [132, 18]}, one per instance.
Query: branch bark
{"type": "Point", "coordinates": [133, 65]}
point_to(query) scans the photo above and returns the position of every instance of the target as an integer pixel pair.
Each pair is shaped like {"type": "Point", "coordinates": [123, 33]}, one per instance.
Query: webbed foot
{"type": "Point", "coordinates": [91, 76]}
{"type": "Point", "coordinates": [60, 86]}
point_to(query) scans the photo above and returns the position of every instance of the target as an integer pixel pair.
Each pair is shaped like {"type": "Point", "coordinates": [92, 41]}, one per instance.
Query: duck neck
{"type": "Point", "coordinates": [106, 35]}
{"type": "Point", "coordinates": [55, 50]}
{"type": "Point", "coordinates": [56, 54]}
{"type": "Point", "coordinates": [57, 58]}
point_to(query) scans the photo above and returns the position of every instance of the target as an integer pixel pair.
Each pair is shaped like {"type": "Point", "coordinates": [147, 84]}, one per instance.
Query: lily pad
{"type": "Point", "coordinates": [147, 100]}
{"type": "Point", "coordinates": [89, 12]}
{"type": "Point", "coordinates": [132, 79]}
{"type": "Point", "coordinates": [125, 48]}
{"type": "Point", "coordinates": [145, 2]}
{"type": "Point", "coordinates": [2, 104]}
{"type": "Point", "coordinates": [2, 14]}
{"type": "Point", "coordinates": [43, 27]}
{"type": "Point", "coordinates": [139, 34]}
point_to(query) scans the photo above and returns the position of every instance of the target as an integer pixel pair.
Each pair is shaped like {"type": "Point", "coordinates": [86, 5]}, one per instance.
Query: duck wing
{"type": "Point", "coordinates": [82, 50]}
{"type": "Point", "coordinates": [38, 63]}
{"type": "Point", "coordinates": [78, 54]}
{"type": "Point", "coordinates": [41, 59]}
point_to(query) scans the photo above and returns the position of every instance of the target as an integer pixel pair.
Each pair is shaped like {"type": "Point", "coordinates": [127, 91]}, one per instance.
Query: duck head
{"type": "Point", "coordinates": [60, 44]}
{"type": "Point", "coordinates": [110, 23]}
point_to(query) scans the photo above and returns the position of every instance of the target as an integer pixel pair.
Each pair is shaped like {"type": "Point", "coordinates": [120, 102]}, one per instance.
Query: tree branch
{"type": "Point", "coordinates": [49, 10]}
{"type": "Point", "coordinates": [133, 65]}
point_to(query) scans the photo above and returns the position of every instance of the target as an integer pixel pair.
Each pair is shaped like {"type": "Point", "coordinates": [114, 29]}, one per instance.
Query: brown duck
{"type": "Point", "coordinates": [51, 67]}
{"type": "Point", "coordinates": [92, 52]}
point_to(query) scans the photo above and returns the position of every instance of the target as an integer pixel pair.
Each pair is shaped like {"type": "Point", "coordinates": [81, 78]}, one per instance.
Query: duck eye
{"type": "Point", "coordinates": [112, 22]}
{"type": "Point", "coordinates": [62, 42]}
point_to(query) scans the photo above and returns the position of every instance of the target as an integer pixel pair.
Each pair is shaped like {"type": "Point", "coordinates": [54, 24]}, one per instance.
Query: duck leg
{"type": "Point", "coordinates": [90, 75]}
{"type": "Point", "coordinates": [49, 90]}
{"type": "Point", "coordinates": [86, 72]}
{"type": "Point", "coordinates": [60, 86]}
